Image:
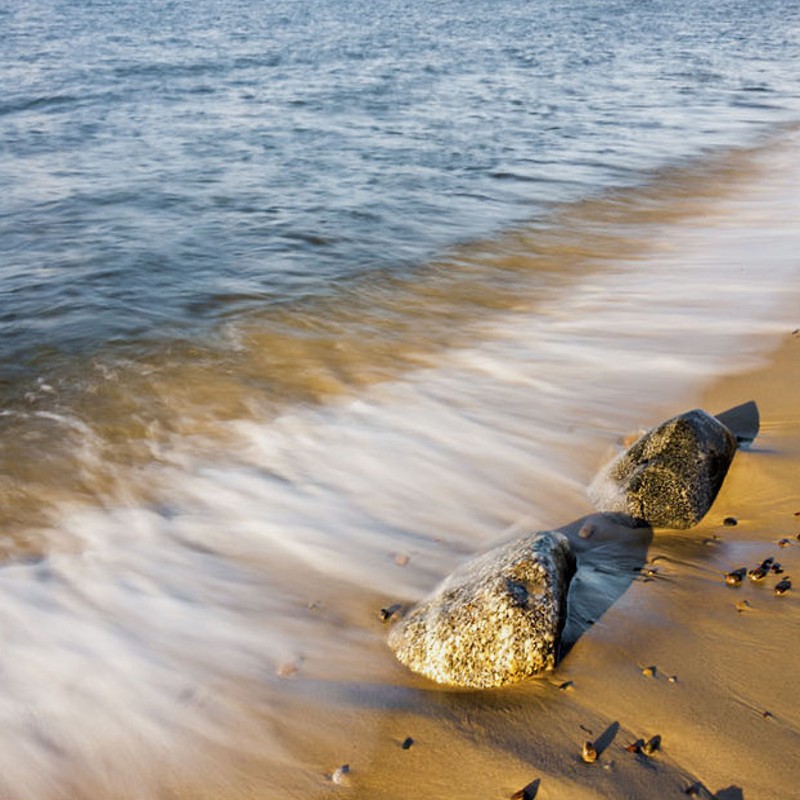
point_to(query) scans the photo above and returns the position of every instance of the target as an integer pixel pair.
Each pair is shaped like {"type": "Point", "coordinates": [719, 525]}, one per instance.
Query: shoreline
{"type": "Point", "coordinates": [721, 697]}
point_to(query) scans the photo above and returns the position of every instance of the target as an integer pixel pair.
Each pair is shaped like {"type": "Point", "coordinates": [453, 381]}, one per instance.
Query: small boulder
{"type": "Point", "coordinates": [495, 620]}
{"type": "Point", "coordinates": [670, 477]}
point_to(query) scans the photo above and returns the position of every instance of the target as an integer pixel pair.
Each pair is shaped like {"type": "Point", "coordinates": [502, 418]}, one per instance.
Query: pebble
{"type": "Point", "coordinates": [587, 529]}
{"type": "Point", "coordinates": [782, 587]}
{"type": "Point", "coordinates": [730, 521]}
{"type": "Point", "coordinates": [734, 578]}
{"type": "Point", "coordinates": [567, 686]}
{"type": "Point", "coordinates": [649, 572]}
{"type": "Point", "coordinates": [287, 669]}
{"type": "Point", "coordinates": [589, 753]}
{"type": "Point", "coordinates": [743, 605]}
{"type": "Point", "coordinates": [652, 745]}
{"type": "Point", "coordinates": [407, 742]}
{"type": "Point", "coordinates": [673, 679]}
{"type": "Point", "coordinates": [649, 672]}
{"type": "Point", "coordinates": [401, 559]}
{"type": "Point", "coordinates": [758, 574]}
{"type": "Point", "coordinates": [784, 542]}
{"type": "Point", "coordinates": [387, 613]}
{"type": "Point", "coordinates": [341, 774]}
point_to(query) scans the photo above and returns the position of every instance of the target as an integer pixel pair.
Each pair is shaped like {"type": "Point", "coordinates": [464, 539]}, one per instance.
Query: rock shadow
{"type": "Point", "coordinates": [743, 421]}
{"type": "Point", "coordinates": [604, 740]}
{"type": "Point", "coordinates": [730, 793]}
{"type": "Point", "coordinates": [528, 792]}
{"type": "Point", "coordinates": [610, 551]}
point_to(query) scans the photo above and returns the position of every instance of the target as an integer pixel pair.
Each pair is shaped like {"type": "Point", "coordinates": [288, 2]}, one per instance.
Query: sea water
{"type": "Point", "coordinates": [303, 303]}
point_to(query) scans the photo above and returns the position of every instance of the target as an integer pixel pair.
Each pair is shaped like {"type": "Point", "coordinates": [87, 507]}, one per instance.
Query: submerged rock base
{"type": "Point", "coordinates": [496, 620]}
{"type": "Point", "coordinates": [670, 477]}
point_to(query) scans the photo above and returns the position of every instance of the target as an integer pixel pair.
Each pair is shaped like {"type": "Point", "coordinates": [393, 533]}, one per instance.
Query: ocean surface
{"type": "Point", "coordinates": [302, 303]}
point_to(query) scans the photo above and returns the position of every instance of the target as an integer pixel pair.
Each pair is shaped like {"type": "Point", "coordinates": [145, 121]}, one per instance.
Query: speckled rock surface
{"type": "Point", "coordinates": [496, 620]}
{"type": "Point", "coordinates": [670, 477]}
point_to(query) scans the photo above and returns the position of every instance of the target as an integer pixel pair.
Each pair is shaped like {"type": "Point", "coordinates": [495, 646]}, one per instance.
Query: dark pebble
{"type": "Point", "coordinates": [782, 587]}
{"type": "Point", "coordinates": [387, 613]}
{"type": "Point", "coordinates": [407, 742]}
{"type": "Point", "coordinates": [730, 521]}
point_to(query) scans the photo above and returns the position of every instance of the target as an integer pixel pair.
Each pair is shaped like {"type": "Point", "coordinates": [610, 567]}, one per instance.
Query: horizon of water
{"type": "Point", "coordinates": [304, 303]}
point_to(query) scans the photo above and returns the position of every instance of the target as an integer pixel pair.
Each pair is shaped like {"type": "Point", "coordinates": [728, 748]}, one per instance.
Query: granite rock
{"type": "Point", "coordinates": [496, 620]}
{"type": "Point", "coordinates": [670, 477]}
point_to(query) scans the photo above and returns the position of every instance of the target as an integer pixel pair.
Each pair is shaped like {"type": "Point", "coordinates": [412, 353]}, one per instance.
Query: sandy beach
{"type": "Point", "coordinates": [674, 656]}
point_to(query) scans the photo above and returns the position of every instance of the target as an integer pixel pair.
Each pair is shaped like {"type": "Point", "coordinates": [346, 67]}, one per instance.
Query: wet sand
{"type": "Point", "coordinates": [722, 696]}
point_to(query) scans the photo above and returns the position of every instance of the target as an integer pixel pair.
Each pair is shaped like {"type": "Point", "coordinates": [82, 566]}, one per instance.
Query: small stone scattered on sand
{"type": "Point", "coordinates": [730, 521]}
{"type": "Point", "coordinates": [401, 559]}
{"type": "Point", "coordinates": [649, 672]}
{"type": "Point", "coordinates": [341, 774]}
{"type": "Point", "coordinates": [288, 669]}
{"type": "Point", "coordinates": [757, 575]}
{"type": "Point", "coordinates": [652, 745]}
{"type": "Point", "coordinates": [673, 679]}
{"type": "Point", "coordinates": [387, 613]}
{"type": "Point", "coordinates": [587, 529]}
{"type": "Point", "coordinates": [567, 686]}
{"type": "Point", "coordinates": [784, 542]}
{"type": "Point", "coordinates": [589, 753]}
{"type": "Point", "coordinates": [743, 605]}
{"type": "Point", "coordinates": [407, 742]}
{"type": "Point", "coordinates": [782, 587]}
{"type": "Point", "coordinates": [734, 577]}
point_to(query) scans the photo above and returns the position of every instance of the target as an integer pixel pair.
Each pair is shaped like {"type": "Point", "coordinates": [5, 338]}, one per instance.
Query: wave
{"type": "Point", "coordinates": [189, 525]}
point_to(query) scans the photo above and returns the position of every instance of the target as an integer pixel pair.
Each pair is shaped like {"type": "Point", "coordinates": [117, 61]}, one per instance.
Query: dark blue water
{"type": "Point", "coordinates": [164, 166]}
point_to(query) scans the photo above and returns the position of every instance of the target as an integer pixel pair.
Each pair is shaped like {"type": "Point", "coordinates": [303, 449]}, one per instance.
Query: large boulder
{"type": "Point", "coordinates": [670, 477]}
{"type": "Point", "coordinates": [496, 620]}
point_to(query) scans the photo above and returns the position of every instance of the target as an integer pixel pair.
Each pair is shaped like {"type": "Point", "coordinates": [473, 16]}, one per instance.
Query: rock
{"type": "Point", "coordinates": [671, 476]}
{"type": "Point", "coordinates": [496, 620]}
